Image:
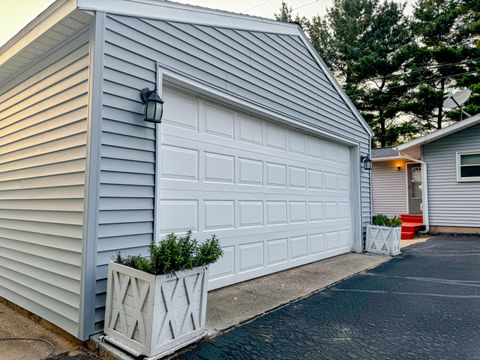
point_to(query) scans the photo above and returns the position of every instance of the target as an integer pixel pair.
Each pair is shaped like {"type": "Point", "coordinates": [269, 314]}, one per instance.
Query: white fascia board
{"type": "Point", "coordinates": [387, 158]}
{"type": "Point", "coordinates": [334, 81]}
{"type": "Point", "coordinates": [169, 11]}
{"type": "Point", "coordinates": [37, 27]}
{"type": "Point", "coordinates": [438, 134]}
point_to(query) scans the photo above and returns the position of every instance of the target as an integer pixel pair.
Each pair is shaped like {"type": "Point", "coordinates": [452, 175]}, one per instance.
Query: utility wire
{"type": "Point", "coordinates": [256, 6]}
{"type": "Point", "coordinates": [306, 4]}
{"type": "Point", "coordinates": [427, 67]}
{"type": "Point", "coordinates": [421, 81]}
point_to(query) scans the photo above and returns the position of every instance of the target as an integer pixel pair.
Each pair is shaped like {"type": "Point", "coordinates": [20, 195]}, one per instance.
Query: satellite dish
{"type": "Point", "coordinates": [456, 100]}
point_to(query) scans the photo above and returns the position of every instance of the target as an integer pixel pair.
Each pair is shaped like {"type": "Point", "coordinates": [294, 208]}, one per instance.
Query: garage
{"type": "Point", "coordinates": [275, 196]}
{"type": "Point", "coordinates": [258, 144]}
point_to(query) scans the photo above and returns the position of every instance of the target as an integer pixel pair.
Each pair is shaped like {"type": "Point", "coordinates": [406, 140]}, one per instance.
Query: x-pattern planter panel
{"type": "Point", "coordinates": [153, 315]}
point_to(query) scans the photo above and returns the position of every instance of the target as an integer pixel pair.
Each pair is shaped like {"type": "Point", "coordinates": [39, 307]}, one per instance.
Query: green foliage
{"type": "Point", "coordinates": [286, 15]}
{"type": "Point", "coordinates": [174, 253]}
{"type": "Point", "coordinates": [384, 220]}
{"type": "Point", "coordinates": [365, 43]}
{"type": "Point", "coordinates": [444, 57]}
{"type": "Point", "coordinates": [398, 69]}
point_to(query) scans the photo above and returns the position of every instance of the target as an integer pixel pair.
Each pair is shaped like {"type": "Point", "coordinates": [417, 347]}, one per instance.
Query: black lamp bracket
{"type": "Point", "coordinates": [145, 94]}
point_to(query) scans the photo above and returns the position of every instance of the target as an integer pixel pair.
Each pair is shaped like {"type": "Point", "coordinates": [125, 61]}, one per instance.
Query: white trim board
{"type": "Point", "coordinates": [170, 11]}
{"type": "Point", "coordinates": [458, 155]}
{"type": "Point", "coordinates": [92, 178]}
{"type": "Point", "coordinates": [436, 135]}
{"type": "Point", "coordinates": [387, 158]}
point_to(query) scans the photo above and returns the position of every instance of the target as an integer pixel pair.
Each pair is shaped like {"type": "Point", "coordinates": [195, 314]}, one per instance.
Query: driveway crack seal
{"type": "Point", "coordinates": [406, 293]}
{"type": "Point", "coordinates": [330, 286]}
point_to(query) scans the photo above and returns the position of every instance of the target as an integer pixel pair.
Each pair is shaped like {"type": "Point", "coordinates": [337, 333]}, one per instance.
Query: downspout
{"type": "Point", "coordinates": [426, 221]}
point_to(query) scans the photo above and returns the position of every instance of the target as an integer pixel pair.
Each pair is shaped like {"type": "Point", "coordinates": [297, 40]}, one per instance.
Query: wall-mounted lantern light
{"type": "Point", "coordinates": [399, 166]}
{"type": "Point", "coordinates": [153, 105]}
{"type": "Point", "coordinates": [366, 162]}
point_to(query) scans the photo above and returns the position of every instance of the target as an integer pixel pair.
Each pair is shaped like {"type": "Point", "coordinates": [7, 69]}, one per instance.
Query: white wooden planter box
{"type": "Point", "coordinates": [155, 315]}
{"type": "Point", "coordinates": [383, 239]}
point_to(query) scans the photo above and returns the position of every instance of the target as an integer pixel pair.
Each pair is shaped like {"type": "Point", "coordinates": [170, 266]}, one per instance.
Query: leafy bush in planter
{"type": "Point", "coordinates": [384, 220]}
{"type": "Point", "coordinates": [174, 253]}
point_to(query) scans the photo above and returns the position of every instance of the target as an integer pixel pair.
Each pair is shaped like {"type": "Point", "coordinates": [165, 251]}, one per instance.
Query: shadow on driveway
{"type": "Point", "coordinates": [424, 304]}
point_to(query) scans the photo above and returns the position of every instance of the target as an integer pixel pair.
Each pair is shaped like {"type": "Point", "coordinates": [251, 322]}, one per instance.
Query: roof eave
{"type": "Point", "coordinates": [439, 134]}
{"type": "Point", "coordinates": [35, 28]}
{"type": "Point", "coordinates": [171, 11]}
{"type": "Point", "coordinates": [387, 158]}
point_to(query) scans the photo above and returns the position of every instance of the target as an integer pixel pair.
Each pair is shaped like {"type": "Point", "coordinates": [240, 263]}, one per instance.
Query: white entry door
{"type": "Point", "coordinates": [276, 197]}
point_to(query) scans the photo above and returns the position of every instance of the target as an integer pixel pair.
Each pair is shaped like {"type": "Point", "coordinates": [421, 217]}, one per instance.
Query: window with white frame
{"type": "Point", "coordinates": [468, 165]}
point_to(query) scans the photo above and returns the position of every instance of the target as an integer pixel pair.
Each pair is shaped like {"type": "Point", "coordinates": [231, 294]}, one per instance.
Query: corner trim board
{"type": "Point", "coordinates": [92, 179]}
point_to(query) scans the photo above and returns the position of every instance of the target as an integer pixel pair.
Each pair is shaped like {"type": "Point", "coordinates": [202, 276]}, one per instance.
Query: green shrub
{"type": "Point", "coordinates": [174, 253]}
{"type": "Point", "coordinates": [384, 220]}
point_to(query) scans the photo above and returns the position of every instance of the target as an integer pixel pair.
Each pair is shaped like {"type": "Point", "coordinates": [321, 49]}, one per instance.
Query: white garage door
{"type": "Point", "coordinates": [275, 197]}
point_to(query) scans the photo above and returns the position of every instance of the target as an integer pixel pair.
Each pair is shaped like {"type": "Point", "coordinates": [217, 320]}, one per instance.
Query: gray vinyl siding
{"type": "Point", "coordinates": [43, 124]}
{"type": "Point", "coordinates": [452, 203]}
{"type": "Point", "coordinates": [389, 189]}
{"type": "Point", "coordinates": [274, 71]}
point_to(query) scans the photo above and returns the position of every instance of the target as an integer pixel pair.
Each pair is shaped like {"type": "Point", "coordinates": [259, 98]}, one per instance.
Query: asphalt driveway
{"type": "Point", "coordinates": [425, 304]}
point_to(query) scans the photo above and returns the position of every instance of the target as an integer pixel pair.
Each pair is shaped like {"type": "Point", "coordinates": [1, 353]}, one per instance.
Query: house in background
{"type": "Point", "coordinates": [450, 160]}
{"type": "Point", "coordinates": [258, 145]}
{"type": "Point", "coordinates": [436, 175]}
{"type": "Point", "coordinates": [397, 189]}
{"type": "Point", "coordinates": [389, 183]}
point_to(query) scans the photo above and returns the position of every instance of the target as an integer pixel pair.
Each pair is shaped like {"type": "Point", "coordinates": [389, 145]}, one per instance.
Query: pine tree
{"type": "Point", "coordinates": [286, 15]}
{"type": "Point", "coordinates": [444, 58]}
{"type": "Point", "coordinates": [469, 34]}
{"type": "Point", "coordinates": [365, 43]}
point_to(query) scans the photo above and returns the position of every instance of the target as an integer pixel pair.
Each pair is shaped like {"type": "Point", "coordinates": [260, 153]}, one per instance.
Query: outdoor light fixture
{"type": "Point", "coordinates": [153, 105]}
{"type": "Point", "coordinates": [366, 162]}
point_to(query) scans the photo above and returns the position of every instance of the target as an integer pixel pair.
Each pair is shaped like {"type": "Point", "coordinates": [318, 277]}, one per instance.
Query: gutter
{"type": "Point", "coordinates": [426, 220]}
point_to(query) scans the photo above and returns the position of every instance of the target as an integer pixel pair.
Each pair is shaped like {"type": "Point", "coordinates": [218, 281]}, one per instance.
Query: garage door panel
{"type": "Point", "coordinates": [218, 121]}
{"type": "Point", "coordinates": [297, 177]}
{"type": "Point", "coordinates": [179, 163]}
{"type": "Point", "coordinates": [297, 143]}
{"type": "Point", "coordinates": [187, 190]}
{"type": "Point", "coordinates": [189, 106]}
{"type": "Point", "coordinates": [250, 256]}
{"type": "Point", "coordinates": [219, 168]}
{"type": "Point", "coordinates": [276, 174]}
{"type": "Point", "coordinates": [277, 251]}
{"type": "Point", "coordinates": [174, 136]}
{"type": "Point", "coordinates": [249, 130]}
{"type": "Point", "coordinates": [275, 197]}
{"type": "Point", "coordinates": [219, 280]}
{"type": "Point", "coordinates": [275, 137]}
{"type": "Point", "coordinates": [233, 236]}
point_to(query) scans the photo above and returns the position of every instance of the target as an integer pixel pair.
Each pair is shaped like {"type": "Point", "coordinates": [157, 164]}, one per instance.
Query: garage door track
{"type": "Point", "coordinates": [425, 304]}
